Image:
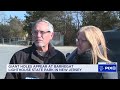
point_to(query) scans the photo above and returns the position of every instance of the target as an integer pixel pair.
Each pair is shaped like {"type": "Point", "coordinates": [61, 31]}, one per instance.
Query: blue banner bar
{"type": "Point", "coordinates": [107, 67]}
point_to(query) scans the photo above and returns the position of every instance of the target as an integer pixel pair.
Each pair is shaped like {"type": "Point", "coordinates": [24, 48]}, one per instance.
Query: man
{"type": "Point", "coordinates": [41, 52]}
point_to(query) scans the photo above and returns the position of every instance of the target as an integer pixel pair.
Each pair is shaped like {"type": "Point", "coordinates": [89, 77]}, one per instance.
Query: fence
{"type": "Point", "coordinates": [58, 40]}
{"type": "Point", "coordinates": [14, 41]}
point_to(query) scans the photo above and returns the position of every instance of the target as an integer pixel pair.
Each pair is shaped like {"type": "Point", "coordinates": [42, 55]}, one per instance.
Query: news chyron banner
{"type": "Point", "coordinates": [100, 67]}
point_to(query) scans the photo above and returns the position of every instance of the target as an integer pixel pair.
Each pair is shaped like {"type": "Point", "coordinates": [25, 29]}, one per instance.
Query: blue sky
{"type": "Point", "coordinates": [20, 14]}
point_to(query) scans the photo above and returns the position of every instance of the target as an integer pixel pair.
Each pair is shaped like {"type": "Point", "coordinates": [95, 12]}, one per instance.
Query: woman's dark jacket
{"type": "Point", "coordinates": [86, 58]}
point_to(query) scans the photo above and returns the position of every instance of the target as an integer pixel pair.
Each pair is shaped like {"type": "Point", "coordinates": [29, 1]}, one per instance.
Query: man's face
{"type": "Point", "coordinates": [40, 35]}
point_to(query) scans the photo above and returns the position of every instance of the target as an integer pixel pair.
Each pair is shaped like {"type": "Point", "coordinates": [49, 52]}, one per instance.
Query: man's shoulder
{"type": "Point", "coordinates": [59, 52]}
{"type": "Point", "coordinates": [24, 50]}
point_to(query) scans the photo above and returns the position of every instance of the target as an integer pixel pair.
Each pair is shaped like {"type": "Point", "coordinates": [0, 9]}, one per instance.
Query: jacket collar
{"type": "Point", "coordinates": [51, 51]}
{"type": "Point", "coordinates": [71, 55]}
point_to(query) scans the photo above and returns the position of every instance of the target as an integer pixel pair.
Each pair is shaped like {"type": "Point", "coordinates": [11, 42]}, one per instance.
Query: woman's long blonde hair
{"type": "Point", "coordinates": [97, 41]}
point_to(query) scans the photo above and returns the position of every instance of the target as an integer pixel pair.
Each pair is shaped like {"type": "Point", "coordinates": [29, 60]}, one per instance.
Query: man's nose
{"type": "Point", "coordinates": [39, 34]}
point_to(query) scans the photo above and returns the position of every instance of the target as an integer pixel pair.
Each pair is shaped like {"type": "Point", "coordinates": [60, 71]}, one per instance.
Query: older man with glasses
{"type": "Point", "coordinates": [41, 52]}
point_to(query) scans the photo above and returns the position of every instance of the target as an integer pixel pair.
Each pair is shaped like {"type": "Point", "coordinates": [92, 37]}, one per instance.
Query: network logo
{"type": "Point", "coordinates": [107, 68]}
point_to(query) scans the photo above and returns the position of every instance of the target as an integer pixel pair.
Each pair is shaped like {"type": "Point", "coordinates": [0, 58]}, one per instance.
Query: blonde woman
{"type": "Point", "coordinates": [91, 49]}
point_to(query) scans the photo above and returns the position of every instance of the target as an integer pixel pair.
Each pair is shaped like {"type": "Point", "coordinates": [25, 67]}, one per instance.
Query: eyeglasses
{"type": "Point", "coordinates": [41, 32]}
{"type": "Point", "coordinates": [82, 40]}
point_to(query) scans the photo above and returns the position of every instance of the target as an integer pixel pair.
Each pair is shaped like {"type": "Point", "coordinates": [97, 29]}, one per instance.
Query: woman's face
{"type": "Point", "coordinates": [82, 43]}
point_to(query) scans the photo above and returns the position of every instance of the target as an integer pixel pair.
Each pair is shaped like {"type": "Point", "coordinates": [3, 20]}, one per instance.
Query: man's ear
{"type": "Point", "coordinates": [52, 34]}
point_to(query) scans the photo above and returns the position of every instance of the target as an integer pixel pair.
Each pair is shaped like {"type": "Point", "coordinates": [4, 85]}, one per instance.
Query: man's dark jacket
{"type": "Point", "coordinates": [30, 56]}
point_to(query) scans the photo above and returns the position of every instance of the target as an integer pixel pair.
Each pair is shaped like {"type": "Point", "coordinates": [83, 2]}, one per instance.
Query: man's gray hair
{"type": "Point", "coordinates": [50, 26]}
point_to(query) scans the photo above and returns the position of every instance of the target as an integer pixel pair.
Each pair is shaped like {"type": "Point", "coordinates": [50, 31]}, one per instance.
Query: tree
{"type": "Point", "coordinates": [77, 19]}
{"type": "Point", "coordinates": [2, 18]}
{"type": "Point", "coordinates": [105, 20]}
{"type": "Point", "coordinates": [4, 31]}
{"type": "Point", "coordinates": [16, 27]}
